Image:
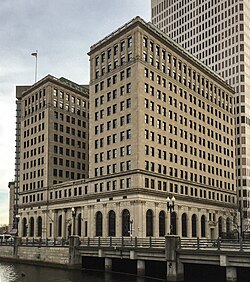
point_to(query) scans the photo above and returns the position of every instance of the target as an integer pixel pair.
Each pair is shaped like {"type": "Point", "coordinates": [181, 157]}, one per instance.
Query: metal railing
{"type": "Point", "coordinates": [219, 244]}
{"type": "Point", "coordinates": [134, 242]}
{"type": "Point", "coordinates": [35, 242]}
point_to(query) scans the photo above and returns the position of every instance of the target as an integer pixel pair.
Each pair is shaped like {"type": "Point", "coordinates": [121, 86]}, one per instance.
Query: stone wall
{"type": "Point", "coordinates": [51, 255]}
{"type": "Point", "coordinates": [6, 251]}
{"type": "Point", "coordinates": [57, 255]}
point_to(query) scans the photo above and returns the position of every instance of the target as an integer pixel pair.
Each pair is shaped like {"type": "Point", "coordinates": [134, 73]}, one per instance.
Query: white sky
{"type": "Point", "coordinates": [62, 31]}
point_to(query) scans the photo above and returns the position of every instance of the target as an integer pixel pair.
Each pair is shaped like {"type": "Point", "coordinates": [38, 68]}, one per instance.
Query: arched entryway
{"type": "Point", "coordinates": [149, 223]}
{"type": "Point", "coordinates": [162, 223]}
{"type": "Point", "coordinates": [194, 225]}
{"type": "Point", "coordinates": [111, 224]}
{"type": "Point", "coordinates": [98, 225]}
{"type": "Point", "coordinates": [173, 225]}
{"type": "Point", "coordinates": [24, 227]}
{"type": "Point", "coordinates": [184, 225]}
{"type": "Point", "coordinates": [32, 227]}
{"type": "Point", "coordinates": [60, 226]}
{"type": "Point", "coordinates": [39, 226]}
{"type": "Point", "coordinates": [125, 223]}
{"type": "Point", "coordinates": [79, 224]}
{"type": "Point", "coordinates": [203, 226]}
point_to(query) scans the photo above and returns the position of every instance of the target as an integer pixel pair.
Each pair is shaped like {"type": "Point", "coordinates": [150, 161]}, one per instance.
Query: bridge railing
{"type": "Point", "coordinates": [219, 244]}
{"type": "Point", "coordinates": [147, 242]}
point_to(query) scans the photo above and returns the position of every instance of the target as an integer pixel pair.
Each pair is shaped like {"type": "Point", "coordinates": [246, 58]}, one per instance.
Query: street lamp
{"type": "Point", "coordinates": [170, 207]}
{"type": "Point", "coordinates": [73, 212]}
{"type": "Point", "coordinates": [17, 218]}
{"type": "Point", "coordinates": [131, 226]}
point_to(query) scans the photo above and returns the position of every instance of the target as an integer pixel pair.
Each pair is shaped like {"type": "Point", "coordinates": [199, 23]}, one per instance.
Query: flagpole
{"type": "Point", "coordinates": [36, 66]}
{"type": "Point", "coordinates": [35, 54]}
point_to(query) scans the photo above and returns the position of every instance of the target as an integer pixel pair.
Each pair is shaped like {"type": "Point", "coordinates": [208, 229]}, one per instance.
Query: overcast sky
{"type": "Point", "coordinates": [62, 31]}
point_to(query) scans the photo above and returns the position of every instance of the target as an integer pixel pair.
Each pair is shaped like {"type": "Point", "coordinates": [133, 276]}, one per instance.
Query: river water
{"type": "Point", "coordinates": [10, 272]}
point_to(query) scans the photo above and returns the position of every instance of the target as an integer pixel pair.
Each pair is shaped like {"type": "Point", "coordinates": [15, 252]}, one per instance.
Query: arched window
{"type": "Point", "coordinates": [98, 224]}
{"type": "Point", "coordinates": [194, 225]}
{"type": "Point", "coordinates": [149, 223]}
{"type": "Point", "coordinates": [184, 225]}
{"type": "Point", "coordinates": [228, 225]}
{"type": "Point", "coordinates": [111, 224]}
{"type": "Point", "coordinates": [79, 224]}
{"type": "Point", "coordinates": [32, 227]}
{"type": "Point", "coordinates": [125, 223]}
{"type": "Point", "coordinates": [24, 227]}
{"type": "Point", "coordinates": [60, 226]}
{"type": "Point", "coordinates": [220, 226]}
{"type": "Point", "coordinates": [203, 226]}
{"type": "Point", "coordinates": [173, 229]}
{"type": "Point", "coordinates": [162, 223]}
{"type": "Point", "coordinates": [39, 226]}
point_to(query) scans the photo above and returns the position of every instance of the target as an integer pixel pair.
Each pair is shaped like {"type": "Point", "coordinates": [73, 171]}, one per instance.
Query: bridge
{"type": "Point", "coordinates": [169, 253]}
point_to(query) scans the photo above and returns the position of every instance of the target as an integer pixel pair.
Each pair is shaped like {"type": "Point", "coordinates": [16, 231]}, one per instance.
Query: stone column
{"type": "Point", "coordinates": [137, 217]}
{"type": "Point", "coordinates": [45, 224]}
{"type": "Point", "coordinates": [231, 274]}
{"type": "Point", "coordinates": [82, 222]}
{"type": "Point", "coordinates": [108, 264]}
{"type": "Point", "coordinates": [105, 221]}
{"type": "Point", "coordinates": [55, 221]}
{"type": "Point", "coordinates": [189, 226]}
{"type": "Point", "coordinates": [198, 225]}
{"type": "Point", "coordinates": [156, 221]}
{"type": "Point", "coordinates": [140, 267]}
{"type": "Point", "coordinates": [64, 223]}
{"type": "Point", "coordinates": [118, 220]}
{"type": "Point", "coordinates": [35, 225]}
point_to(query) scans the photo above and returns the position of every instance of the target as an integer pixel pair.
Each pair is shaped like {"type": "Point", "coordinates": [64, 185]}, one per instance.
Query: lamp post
{"type": "Point", "coordinates": [73, 211]}
{"type": "Point", "coordinates": [131, 227]}
{"type": "Point", "coordinates": [170, 207]}
{"type": "Point", "coordinates": [17, 218]}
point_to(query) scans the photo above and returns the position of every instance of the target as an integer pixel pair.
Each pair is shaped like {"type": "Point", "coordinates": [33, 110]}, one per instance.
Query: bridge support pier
{"type": "Point", "coordinates": [74, 256]}
{"type": "Point", "coordinates": [108, 264]}
{"type": "Point", "coordinates": [231, 274]}
{"type": "Point", "coordinates": [140, 267]}
{"type": "Point", "coordinates": [175, 269]}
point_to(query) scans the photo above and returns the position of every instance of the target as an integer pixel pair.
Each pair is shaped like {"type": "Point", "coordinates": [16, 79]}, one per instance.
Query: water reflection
{"type": "Point", "coordinates": [28, 273]}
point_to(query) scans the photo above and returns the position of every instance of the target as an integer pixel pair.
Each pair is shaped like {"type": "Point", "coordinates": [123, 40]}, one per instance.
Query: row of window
{"type": "Point", "coordinates": [125, 104]}
{"type": "Point", "coordinates": [187, 190]}
{"type": "Point", "coordinates": [152, 151]}
{"type": "Point", "coordinates": [162, 139]}
{"type": "Point", "coordinates": [124, 166]}
{"type": "Point", "coordinates": [33, 119]}
{"type": "Point", "coordinates": [207, 90]}
{"type": "Point", "coordinates": [183, 174]}
{"type": "Point", "coordinates": [33, 163]}
{"type": "Point", "coordinates": [61, 97]}
{"type": "Point", "coordinates": [32, 198]}
{"type": "Point", "coordinates": [68, 163]}
{"type": "Point", "coordinates": [68, 152]}
{"type": "Point", "coordinates": [33, 152]}
{"type": "Point", "coordinates": [113, 154]}
{"type": "Point", "coordinates": [35, 97]}
{"type": "Point", "coordinates": [113, 80]}
{"type": "Point", "coordinates": [32, 141]}
{"type": "Point", "coordinates": [113, 185]}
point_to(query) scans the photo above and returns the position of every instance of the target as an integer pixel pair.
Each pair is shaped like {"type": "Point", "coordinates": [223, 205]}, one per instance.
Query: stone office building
{"type": "Point", "coordinates": [216, 32]}
{"type": "Point", "coordinates": [53, 144]}
{"type": "Point", "coordinates": [161, 125]}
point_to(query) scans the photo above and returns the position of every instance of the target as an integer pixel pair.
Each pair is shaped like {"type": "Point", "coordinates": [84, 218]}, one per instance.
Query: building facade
{"type": "Point", "coordinates": [161, 125]}
{"type": "Point", "coordinates": [53, 141]}
{"type": "Point", "coordinates": [216, 32]}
